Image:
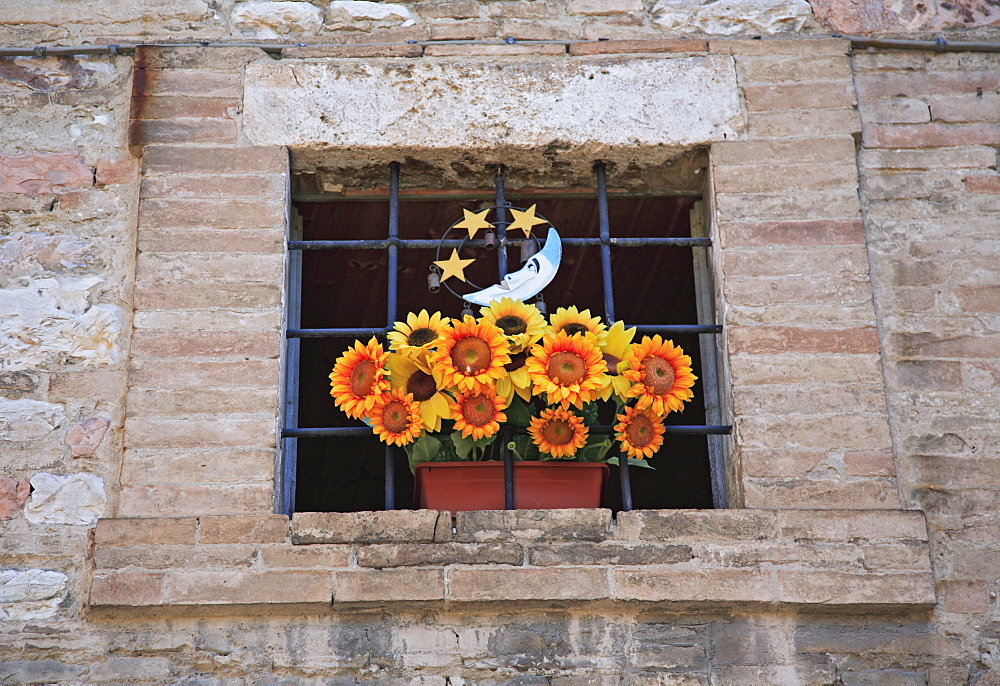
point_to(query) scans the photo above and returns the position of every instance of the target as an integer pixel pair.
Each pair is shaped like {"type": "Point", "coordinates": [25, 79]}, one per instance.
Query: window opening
{"type": "Point", "coordinates": [360, 283]}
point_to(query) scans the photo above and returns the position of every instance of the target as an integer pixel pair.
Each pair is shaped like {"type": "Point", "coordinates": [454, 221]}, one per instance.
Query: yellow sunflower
{"type": "Point", "coordinates": [517, 380]}
{"type": "Point", "coordinates": [661, 375]}
{"type": "Point", "coordinates": [568, 369]}
{"type": "Point", "coordinates": [558, 432]}
{"type": "Point", "coordinates": [522, 324]}
{"type": "Point", "coordinates": [395, 418]}
{"type": "Point", "coordinates": [615, 349]}
{"type": "Point", "coordinates": [426, 389]}
{"type": "Point", "coordinates": [358, 378]}
{"type": "Point", "coordinates": [573, 322]}
{"type": "Point", "coordinates": [470, 355]}
{"type": "Point", "coordinates": [478, 414]}
{"type": "Point", "coordinates": [640, 432]}
{"type": "Point", "coordinates": [417, 334]}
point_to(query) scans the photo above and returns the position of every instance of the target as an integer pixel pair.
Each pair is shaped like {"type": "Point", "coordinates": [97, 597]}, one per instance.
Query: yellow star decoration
{"type": "Point", "coordinates": [473, 222]}
{"type": "Point", "coordinates": [453, 266]}
{"type": "Point", "coordinates": [524, 220]}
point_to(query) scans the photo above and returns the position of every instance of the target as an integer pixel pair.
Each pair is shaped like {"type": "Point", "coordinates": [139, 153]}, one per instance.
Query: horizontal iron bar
{"type": "Point", "coordinates": [678, 328]}
{"type": "Point", "coordinates": [691, 430]}
{"type": "Point", "coordinates": [349, 333]}
{"type": "Point", "coordinates": [426, 244]}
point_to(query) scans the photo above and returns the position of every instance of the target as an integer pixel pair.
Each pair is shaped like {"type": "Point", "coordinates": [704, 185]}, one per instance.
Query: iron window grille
{"type": "Point", "coordinates": [706, 329]}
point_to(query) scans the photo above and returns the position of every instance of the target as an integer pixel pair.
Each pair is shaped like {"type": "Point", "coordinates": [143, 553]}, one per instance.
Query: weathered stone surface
{"type": "Point", "coordinates": [13, 494]}
{"type": "Point", "coordinates": [85, 437]}
{"type": "Point", "coordinates": [30, 594]}
{"type": "Point", "coordinates": [22, 254]}
{"type": "Point", "coordinates": [391, 526]}
{"type": "Point", "coordinates": [26, 420]}
{"type": "Point", "coordinates": [43, 172]}
{"type": "Point", "coordinates": [347, 13]}
{"type": "Point", "coordinates": [74, 499]}
{"type": "Point", "coordinates": [730, 18]}
{"type": "Point", "coordinates": [533, 525]}
{"type": "Point", "coordinates": [277, 19]}
{"type": "Point", "coordinates": [873, 16]}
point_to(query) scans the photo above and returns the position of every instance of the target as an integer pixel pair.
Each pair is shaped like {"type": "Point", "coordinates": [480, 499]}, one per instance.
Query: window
{"type": "Point", "coordinates": [341, 260]}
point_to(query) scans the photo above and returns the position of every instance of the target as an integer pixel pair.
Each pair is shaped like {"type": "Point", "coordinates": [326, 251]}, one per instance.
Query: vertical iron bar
{"type": "Point", "coordinates": [508, 473]}
{"type": "Point", "coordinates": [602, 211]}
{"type": "Point", "coordinates": [390, 478]}
{"type": "Point", "coordinates": [626, 483]}
{"type": "Point", "coordinates": [393, 286]}
{"type": "Point", "coordinates": [290, 446]}
{"type": "Point", "coordinates": [501, 223]}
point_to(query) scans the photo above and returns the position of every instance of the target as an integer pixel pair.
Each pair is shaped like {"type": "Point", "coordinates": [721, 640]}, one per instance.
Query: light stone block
{"type": "Point", "coordinates": [27, 420]}
{"type": "Point", "coordinates": [732, 17]}
{"type": "Point", "coordinates": [277, 19]}
{"type": "Point", "coordinates": [74, 499]}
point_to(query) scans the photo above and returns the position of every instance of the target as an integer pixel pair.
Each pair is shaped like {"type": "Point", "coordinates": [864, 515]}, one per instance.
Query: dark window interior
{"type": "Point", "coordinates": [342, 288]}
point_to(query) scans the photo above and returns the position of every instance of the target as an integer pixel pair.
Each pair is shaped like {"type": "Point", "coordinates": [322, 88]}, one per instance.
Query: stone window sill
{"type": "Point", "coordinates": [705, 558]}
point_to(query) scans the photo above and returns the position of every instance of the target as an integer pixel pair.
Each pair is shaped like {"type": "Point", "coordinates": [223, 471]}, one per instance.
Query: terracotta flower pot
{"type": "Point", "coordinates": [462, 486]}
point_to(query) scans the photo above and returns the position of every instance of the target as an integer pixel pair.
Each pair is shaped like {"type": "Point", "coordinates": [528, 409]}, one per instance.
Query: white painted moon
{"type": "Point", "coordinates": [530, 279]}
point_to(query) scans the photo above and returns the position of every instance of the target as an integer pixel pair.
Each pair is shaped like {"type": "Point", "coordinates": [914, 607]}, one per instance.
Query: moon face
{"type": "Point", "coordinates": [527, 281]}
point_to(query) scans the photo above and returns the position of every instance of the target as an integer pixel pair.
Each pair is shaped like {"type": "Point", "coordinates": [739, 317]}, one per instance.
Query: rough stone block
{"type": "Point", "coordinates": [299, 586]}
{"type": "Point", "coordinates": [851, 524]}
{"type": "Point", "coordinates": [184, 107]}
{"type": "Point", "coordinates": [197, 465]}
{"type": "Point", "coordinates": [616, 47]}
{"type": "Point", "coordinates": [44, 172]}
{"type": "Point", "coordinates": [13, 494]}
{"type": "Point", "coordinates": [416, 554]}
{"type": "Point", "coordinates": [792, 233]}
{"type": "Point", "coordinates": [202, 83]}
{"type": "Point", "coordinates": [77, 499]}
{"type": "Point", "coordinates": [686, 585]}
{"type": "Point", "coordinates": [565, 583]}
{"type": "Point", "coordinates": [211, 240]}
{"type": "Point", "coordinates": [604, 7]}
{"type": "Point", "coordinates": [173, 500]}
{"type": "Point", "coordinates": [473, 29]}
{"type": "Point", "coordinates": [145, 531]}
{"type": "Point", "coordinates": [159, 160]}
{"type": "Point", "coordinates": [221, 214]}
{"type": "Point", "coordinates": [787, 177]}
{"type": "Point", "coordinates": [243, 529]}
{"type": "Point", "coordinates": [206, 344]}
{"type": "Point", "coordinates": [352, 51]}
{"type": "Point", "coordinates": [799, 96]}
{"type": "Point", "coordinates": [455, 9]}
{"type": "Point", "coordinates": [870, 493]}
{"type": "Point", "coordinates": [833, 149]}
{"type": "Point", "coordinates": [390, 526]}
{"type": "Point", "coordinates": [777, 339]}
{"type": "Point", "coordinates": [157, 296]}
{"type": "Point", "coordinates": [810, 123]}
{"type": "Point", "coordinates": [930, 135]}
{"type": "Point", "coordinates": [146, 132]}
{"type": "Point", "coordinates": [676, 525]}
{"type": "Point", "coordinates": [608, 553]}
{"type": "Point", "coordinates": [122, 171]}
{"type": "Point", "coordinates": [169, 373]}
{"type": "Point", "coordinates": [533, 525]}
{"type": "Point", "coordinates": [499, 50]}
{"type": "Point", "coordinates": [217, 59]}
{"type": "Point", "coordinates": [174, 556]}
{"type": "Point", "coordinates": [316, 555]}
{"type": "Point", "coordinates": [793, 68]}
{"type": "Point", "coordinates": [377, 586]}
{"type": "Point", "coordinates": [83, 438]}
{"type": "Point", "coordinates": [215, 186]}
{"type": "Point", "coordinates": [781, 46]}
{"type": "Point", "coordinates": [832, 589]}
{"type": "Point", "coordinates": [156, 432]}
{"type": "Point", "coordinates": [127, 589]}
{"type": "Point", "coordinates": [269, 20]}
{"type": "Point", "coordinates": [38, 672]}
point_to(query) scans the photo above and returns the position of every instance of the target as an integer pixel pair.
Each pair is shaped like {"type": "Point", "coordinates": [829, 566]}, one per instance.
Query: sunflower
{"type": "Point", "coordinates": [558, 432]}
{"type": "Point", "coordinates": [417, 334]}
{"type": "Point", "coordinates": [568, 369]}
{"type": "Point", "coordinates": [395, 418]}
{"type": "Point", "coordinates": [573, 322]}
{"type": "Point", "coordinates": [640, 432]}
{"type": "Point", "coordinates": [358, 378]}
{"type": "Point", "coordinates": [615, 349]}
{"type": "Point", "coordinates": [661, 375]}
{"type": "Point", "coordinates": [470, 355]}
{"type": "Point", "coordinates": [517, 380]}
{"type": "Point", "coordinates": [478, 414]}
{"type": "Point", "coordinates": [522, 324]}
{"type": "Point", "coordinates": [426, 389]}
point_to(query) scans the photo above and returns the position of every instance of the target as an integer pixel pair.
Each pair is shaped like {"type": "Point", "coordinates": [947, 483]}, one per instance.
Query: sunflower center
{"type": "Point", "coordinates": [566, 368]}
{"type": "Point", "coordinates": [478, 410]}
{"type": "Point", "coordinates": [516, 361]}
{"type": "Point", "coordinates": [471, 355]}
{"type": "Point", "coordinates": [363, 378]}
{"type": "Point", "coordinates": [657, 375]}
{"type": "Point", "coordinates": [396, 417]}
{"type": "Point", "coordinates": [419, 337]}
{"type": "Point", "coordinates": [557, 432]}
{"type": "Point", "coordinates": [512, 325]}
{"type": "Point", "coordinates": [421, 385]}
{"type": "Point", "coordinates": [640, 431]}
{"type": "Point", "coordinates": [573, 329]}
{"type": "Point", "coordinates": [612, 363]}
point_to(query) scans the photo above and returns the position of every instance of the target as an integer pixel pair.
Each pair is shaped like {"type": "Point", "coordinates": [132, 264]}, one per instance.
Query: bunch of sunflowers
{"type": "Point", "coordinates": [447, 385]}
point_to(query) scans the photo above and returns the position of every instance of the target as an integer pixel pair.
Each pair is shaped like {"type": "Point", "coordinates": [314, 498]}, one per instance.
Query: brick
{"type": "Point", "coordinates": [323, 556]}
{"type": "Point", "coordinates": [806, 123]}
{"type": "Point", "coordinates": [845, 262]}
{"type": "Point", "coordinates": [201, 186]}
{"type": "Point", "coordinates": [472, 29]}
{"type": "Point", "coordinates": [963, 597]}
{"type": "Point", "coordinates": [146, 132]}
{"type": "Point", "coordinates": [909, 556]}
{"type": "Point", "coordinates": [212, 240]}
{"type": "Point", "coordinates": [184, 106]}
{"type": "Point", "coordinates": [831, 204]}
{"type": "Point", "coordinates": [808, 399]}
{"type": "Point", "coordinates": [868, 493]}
{"type": "Point", "coordinates": [776, 339]}
{"type": "Point", "coordinates": [785, 69]}
{"type": "Point", "coordinates": [680, 525]}
{"type": "Point", "coordinates": [220, 295]}
{"type": "Point", "coordinates": [243, 529]}
{"type": "Point", "coordinates": [208, 320]}
{"type": "Point", "coordinates": [499, 50]}
{"type": "Point", "coordinates": [142, 402]}
{"type": "Point", "coordinates": [563, 583]}
{"type": "Point", "coordinates": [534, 525]}
{"type": "Point", "coordinates": [840, 525]}
{"type": "Point", "coordinates": [809, 47]}
{"type": "Point", "coordinates": [837, 589]}
{"type": "Point", "coordinates": [526, 30]}
{"type": "Point", "coordinates": [765, 179]}
{"type": "Point", "coordinates": [458, 9]}
{"type": "Point", "coordinates": [127, 589]}
{"type": "Point", "coordinates": [943, 345]}
{"type": "Point", "coordinates": [924, 83]}
{"type": "Point", "coordinates": [771, 462]}
{"type": "Point", "coordinates": [936, 471]}
{"type": "Point", "coordinates": [159, 432]}
{"type": "Point", "coordinates": [792, 233]}
{"type": "Point", "coordinates": [197, 465]}
{"type": "Point", "coordinates": [206, 344]}
{"type": "Point", "coordinates": [38, 173]}
{"type": "Point", "coordinates": [798, 290]}
{"type": "Point", "coordinates": [928, 375]}
{"type": "Point", "coordinates": [171, 500]}
{"type": "Point", "coordinates": [833, 149]}
{"type": "Point", "coordinates": [923, 185]}
{"type": "Point", "coordinates": [521, 9]}
{"type": "Point", "coordinates": [619, 47]}
{"type": "Point", "coordinates": [930, 135]}
{"type": "Point", "coordinates": [961, 157]}
{"type": "Point", "coordinates": [416, 554]}
{"type": "Point", "coordinates": [608, 553]}
{"type": "Point", "coordinates": [166, 159]}
{"type": "Point", "coordinates": [163, 374]}
{"type": "Point", "coordinates": [219, 213]}
{"type": "Point", "coordinates": [82, 384]}
{"type": "Point", "coordinates": [304, 586]}
{"type": "Point", "coordinates": [214, 58]}
{"type": "Point", "coordinates": [109, 172]}
{"type": "Point", "coordinates": [201, 83]}
{"type": "Point", "coordinates": [352, 51]}
{"type": "Point", "coordinates": [379, 586]}
{"type": "Point", "coordinates": [895, 111]}
{"type": "Point", "coordinates": [983, 183]}
{"type": "Point", "coordinates": [145, 531]}
{"type": "Point", "coordinates": [688, 585]}
{"type": "Point", "coordinates": [792, 368]}
{"type": "Point", "coordinates": [797, 96]}
{"type": "Point", "coordinates": [892, 60]}
{"type": "Point", "coordinates": [978, 298]}
{"type": "Point", "coordinates": [967, 107]}
{"type": "Point", "coordinates": [910, 273]}
{"type": "Point", "coordinates": [390, 526]}
{"type": "Point", "coordinates": [173, 556]}
{"type": "Point", "coordinates": [604, 7]}
{"type": "Point", "coordinates": [780, 431]}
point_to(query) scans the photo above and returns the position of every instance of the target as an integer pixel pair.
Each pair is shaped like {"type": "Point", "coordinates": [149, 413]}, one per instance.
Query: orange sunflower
{"type": "Point", "coordinates": [417, 334]}
{"type": "Point", "coordinates": [640, 432]}
{"type": "Point", "coordinates": [558, 432]}
{"type": "Point", "coordinates": [395, 418]}
{"type": "Point", "coordinates": [358, 378]}
{"type": "Point", "coordinates": [661, 375]}
{"type": "Point", "coordinates": [478, 414]}
{"type": "Point", "coordinates": [573, 322]}
{"type": "Point", "coordinates": [615, 349]}
{"type": "Point", "coordinates": [470, 355]}
{"type": "Point", "coordinates": [521, 323]}
{"type": "Point", "coordinates": [568, 369]}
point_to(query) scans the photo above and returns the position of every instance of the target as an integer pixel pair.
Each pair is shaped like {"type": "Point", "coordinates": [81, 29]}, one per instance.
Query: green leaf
{"type": "Point", "coordinates": [589, 413]}
{"type": "Point", "coordinates": [595, 450]}
{"type": "Point", "coordinates": [518, 413]}
{"type": "Point", "coordinates": [632, 462]}
{"type": "Point", "coordinates": [424, 449]}
{"type": "Point", "coordinates": [465, 447]}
